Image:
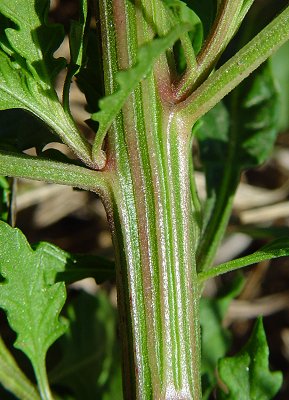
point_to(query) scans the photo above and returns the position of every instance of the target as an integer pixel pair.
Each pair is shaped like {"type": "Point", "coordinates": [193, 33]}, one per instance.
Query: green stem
{"type": "Point", "coordinates": [23, 166]}
{"type": "Point", "coordinates": [151, 217]}
{"type": "Point", "coordinates": [227, 21]}
{"type": "Point", "coordinates": [42, 381]}
{"type": "Point", "coordinates": [234, 71]}
{"type": "Point", "coordinates": [242, 262]}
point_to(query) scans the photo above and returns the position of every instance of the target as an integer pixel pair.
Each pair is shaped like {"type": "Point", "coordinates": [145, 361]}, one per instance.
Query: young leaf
{"type": "Point", "coordinates": [216, 340]}
{"type": "Point", "coordinates": [128, 80]}
{"type": "Point", "coordinates": [12, 378]}
{"type": "Point", "coordinates": [88, 348]}
{"type": "Point", "coordinates": [32, 303]}
{"type": "Point", "coordinates": [247, 375]}
{"type": "Point", "coordinates": [33, 38]}
{"type": "Point", "coordinates": [275, 249]}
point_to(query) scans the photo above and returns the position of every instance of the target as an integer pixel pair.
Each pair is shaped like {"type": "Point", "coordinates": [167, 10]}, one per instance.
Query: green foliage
{"type": "Point", "coordinates": [32, 41]}
{"type": "Point", "coordinates": [216, 340]}
{"type": "Point", "coordinates": [247, 375]}
{"type": "Point", "coordinates": [89, 351]}
{"type": "Point", "coordinates": [28, 69]}
{"type": "Point", "coordinates": [32, 302]}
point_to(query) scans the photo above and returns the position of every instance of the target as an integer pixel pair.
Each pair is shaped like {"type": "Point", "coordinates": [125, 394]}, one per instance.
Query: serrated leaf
{"type": "Point", "coordinates": [128, 80]}
{"type": "Point", "coordinates": [88, 348]}
{"type": "Point", "coordinates": [216, 339]}
{"type": "Point", "coordinates": [32, 303]}
{"type": "Point", "coordinates": [33, 38]}
{"type": "Point", "coordinates": [247, 375]}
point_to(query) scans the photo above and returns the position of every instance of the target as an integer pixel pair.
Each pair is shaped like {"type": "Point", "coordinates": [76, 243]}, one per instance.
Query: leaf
{"type": "Point", "coordinates": [216, 340]}
{"type": "Point", "coordinates": [33, 39]}
{"type": "Point", "coordinates": [13, 379]}
{"type": "Point", "coordinates": [128, 80]}
{"type": "Point", "coordinates": [247, 375]}
{"type": "Point", "coordinates": [88, 348]}
{"type": "Point", "coordinates": [73, 267]}
{"type": "Point", "coordinates": [32, 302]}
{"type": "Point", "coordinates": [277, 248]}
{"type": "Point", "coordinates": [18, 89]}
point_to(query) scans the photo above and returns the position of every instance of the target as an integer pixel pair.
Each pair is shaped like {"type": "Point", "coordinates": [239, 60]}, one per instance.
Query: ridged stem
{"type": "Point", "coordinates": [151, 217]}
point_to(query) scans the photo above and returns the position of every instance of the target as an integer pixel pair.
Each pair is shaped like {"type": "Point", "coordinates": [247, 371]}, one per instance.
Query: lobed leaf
{"type": "Point", "coordinates": [128, 80]}
{"type": "Point", "coordinates": [247, 375]}
{"type": "Point", "coordinates": [32, 39]}
{"type": "Point", "coordinates": [31, 301]}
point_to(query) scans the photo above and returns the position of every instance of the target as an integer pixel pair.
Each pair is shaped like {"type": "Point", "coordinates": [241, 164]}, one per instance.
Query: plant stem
{"type": "Point", "coordinates": [151, 217]}
{"type": "Point", "coordinates": [224, 28]}
{"type": "Point", "coordinates": [42, 380]}
{"type": "Point", "coordinates": [234, 71]}
{"type": "Point", "coordinates": [23, 166]}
